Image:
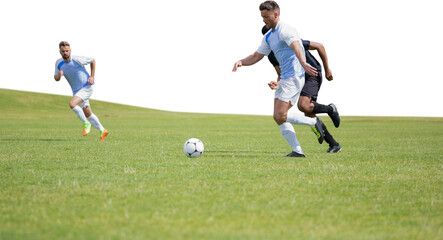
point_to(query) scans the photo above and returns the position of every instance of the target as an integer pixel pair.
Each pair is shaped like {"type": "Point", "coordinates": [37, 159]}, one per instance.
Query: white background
{"type": "Point", "coordinates": [385, 55]}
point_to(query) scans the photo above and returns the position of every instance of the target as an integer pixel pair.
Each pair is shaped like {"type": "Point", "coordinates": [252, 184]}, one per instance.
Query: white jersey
{"type": "Point", "coordinates": [74, 71]}
{"type": "Point", "coordinates": [278, 41]}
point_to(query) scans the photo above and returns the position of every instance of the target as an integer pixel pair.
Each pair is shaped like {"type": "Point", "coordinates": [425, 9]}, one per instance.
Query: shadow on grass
{"type": "Point", "coordinates": [239, 153]}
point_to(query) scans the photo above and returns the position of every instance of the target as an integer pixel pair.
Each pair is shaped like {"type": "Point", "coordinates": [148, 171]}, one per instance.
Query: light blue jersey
{"type": "Point", "coordinates": [278, 41]}
{"type": "Point", "coordinates": [74, 71]}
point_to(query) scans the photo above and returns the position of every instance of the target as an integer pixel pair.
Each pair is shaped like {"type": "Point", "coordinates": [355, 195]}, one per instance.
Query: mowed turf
{"type": "Point", "coordinates": [387, 183]}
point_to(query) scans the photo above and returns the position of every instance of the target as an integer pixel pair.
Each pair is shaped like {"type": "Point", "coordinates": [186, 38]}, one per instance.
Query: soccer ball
{"type": "Point", "coordinates": [193, 148]}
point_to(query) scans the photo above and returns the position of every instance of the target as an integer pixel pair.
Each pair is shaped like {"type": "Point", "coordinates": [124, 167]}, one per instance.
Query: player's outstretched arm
{"type": "Point", "coordinates": [248, 61]}
{"type": "Point", "coordinates": [324, 58]}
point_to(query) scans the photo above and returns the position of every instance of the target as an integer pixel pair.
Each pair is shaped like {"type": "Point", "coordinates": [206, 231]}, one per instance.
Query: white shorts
{"type": "Point", "coordinates": [289, 89]}
{"type": "Point", "coordinates": [84, 93]}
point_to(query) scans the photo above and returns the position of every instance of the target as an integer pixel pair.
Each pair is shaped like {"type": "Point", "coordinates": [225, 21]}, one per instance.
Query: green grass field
{"type": "Point", "coordinates": [387, 183]}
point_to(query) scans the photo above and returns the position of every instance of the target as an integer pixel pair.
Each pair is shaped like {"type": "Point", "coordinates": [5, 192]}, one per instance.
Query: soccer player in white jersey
{"type": "Point", "coordinates": [72, 67]}
{"type": "Point", "coordinates": [284, 41]}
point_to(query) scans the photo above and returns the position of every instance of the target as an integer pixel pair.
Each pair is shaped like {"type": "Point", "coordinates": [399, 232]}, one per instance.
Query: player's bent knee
{"type": "Point", "coordinates": [301, 107]}
{"type": "Point", "coordinates": [304, 107]}
{"type": "Point", "coordinates": [280, 118]}
{"type": "Point", "coordinates": [72, 105]}
{"type": "Point", "coordinates": [87, 110]}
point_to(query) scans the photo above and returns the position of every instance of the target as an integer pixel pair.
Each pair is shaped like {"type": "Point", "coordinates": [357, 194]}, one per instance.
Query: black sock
{"type": "Point", "coordinates": [328, 137]}
{"type": "Point", "coordinates": [320, 108]}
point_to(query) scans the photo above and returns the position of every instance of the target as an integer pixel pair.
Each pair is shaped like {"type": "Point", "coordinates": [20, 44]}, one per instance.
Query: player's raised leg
{"type": "Point", "coordinates": [314, 123]}
{"type": "Point", "coordinates": [310, 107]}
{"type": "Point", "coordinates": [333, 114]}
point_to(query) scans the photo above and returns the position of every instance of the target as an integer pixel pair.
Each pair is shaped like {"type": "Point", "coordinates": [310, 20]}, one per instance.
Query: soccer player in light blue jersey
{"type": "Point", "coordinates": [72, 67]}
{"type": "Point", "coordinates": [287, 46]}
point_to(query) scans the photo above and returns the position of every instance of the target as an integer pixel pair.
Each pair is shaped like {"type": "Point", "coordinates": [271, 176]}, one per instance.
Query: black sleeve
{"type": "Point", "coordinates": [272, 59]}
{"type": "Point", "coordinates": [306, 44]}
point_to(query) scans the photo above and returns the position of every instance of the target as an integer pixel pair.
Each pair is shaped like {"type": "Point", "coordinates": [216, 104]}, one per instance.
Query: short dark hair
{"type": "Point", "coordinates": [270, 6]}
{"type": "Point", "coordinates": [63, 44]}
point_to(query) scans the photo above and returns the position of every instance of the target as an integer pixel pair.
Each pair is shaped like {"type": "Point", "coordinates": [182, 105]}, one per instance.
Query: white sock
{"type": "Point", "coordinates": [80, 114]}
{"type": "Point", "coordinates": [288, 132]}
{"type": "Point", "coordinates": [95, 122]}
{"type": "Point", "coordinates": [300, 119]}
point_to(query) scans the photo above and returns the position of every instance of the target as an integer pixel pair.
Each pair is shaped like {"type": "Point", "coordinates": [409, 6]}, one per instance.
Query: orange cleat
{"type": "Point", "coordinates": [103, 134]}
{"type": "Point", "coordinates": [86, 128]}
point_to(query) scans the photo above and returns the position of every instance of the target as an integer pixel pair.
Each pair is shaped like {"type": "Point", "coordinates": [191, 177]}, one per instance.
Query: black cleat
{"type": "Point", "coordinates": [295, 154]}
{"type": "Point", "coordinates": [334, 149]}
{"type": "Point", "coordinates": [318, 130]}
{"type": "Point", "coordinates": [334, 115]}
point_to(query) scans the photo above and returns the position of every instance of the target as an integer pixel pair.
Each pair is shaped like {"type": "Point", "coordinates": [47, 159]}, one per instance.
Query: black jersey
{"type": "Point", "coordinates": [309, 58]}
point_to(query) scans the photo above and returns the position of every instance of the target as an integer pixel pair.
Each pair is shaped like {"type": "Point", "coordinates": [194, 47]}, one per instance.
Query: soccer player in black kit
{"type": "Point", "coordinates": [307, 102]}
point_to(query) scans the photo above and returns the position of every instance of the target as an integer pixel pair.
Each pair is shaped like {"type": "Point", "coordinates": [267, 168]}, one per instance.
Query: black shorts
{"type": "Point", "coordinates": [312, 86]}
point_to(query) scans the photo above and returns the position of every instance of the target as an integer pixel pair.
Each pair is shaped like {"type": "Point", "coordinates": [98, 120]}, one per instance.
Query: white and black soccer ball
{"type": "Point", "coordinates": [193, 148]}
